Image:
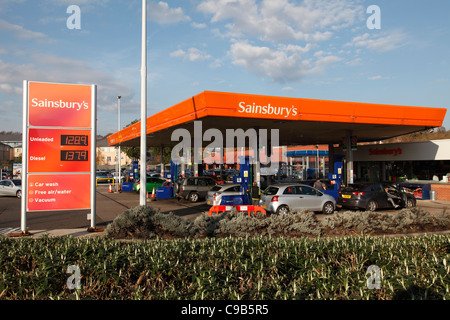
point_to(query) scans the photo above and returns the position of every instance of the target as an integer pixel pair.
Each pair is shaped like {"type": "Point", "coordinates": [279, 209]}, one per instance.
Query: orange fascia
{"type": "Point", "coordinates": [223, 104]}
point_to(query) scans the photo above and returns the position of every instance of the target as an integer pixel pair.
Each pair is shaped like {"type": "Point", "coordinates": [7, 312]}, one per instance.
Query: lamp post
{"type": "Point", "coordinates": [119, 155]}
{"type": "Point", "coordinates": [143, 173]}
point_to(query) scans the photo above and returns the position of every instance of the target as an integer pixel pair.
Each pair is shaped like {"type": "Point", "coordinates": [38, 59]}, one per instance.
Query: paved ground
{"type": "Point", "coordinates": [110, 205]}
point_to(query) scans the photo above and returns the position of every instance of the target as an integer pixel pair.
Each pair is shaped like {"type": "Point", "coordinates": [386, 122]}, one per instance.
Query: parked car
{"type": "Point", "coordinates": [116, 177]}
{"type": "Point", "coordinates": [152, 182]}
{"type": "Point", "coordinates": [153, 174]}
{"type": "Point", "coordinates": [281, 198]}
{"type": "Point", "coordinates": [373, 196]}
{"type": "Point", "coordinates": [11, 187]}
{"type": "Point", "coordinates": [216, 195]}
{"type": "Point", "coordinates": [194, 188]}
{"type": "Point", "coordinates": [103, 177]}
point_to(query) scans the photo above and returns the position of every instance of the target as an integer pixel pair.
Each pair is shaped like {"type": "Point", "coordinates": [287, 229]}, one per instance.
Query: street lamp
{"type": "Point", "coordinates": [143, 190]}
{"type": "Point", "coordinates": [119, 165]}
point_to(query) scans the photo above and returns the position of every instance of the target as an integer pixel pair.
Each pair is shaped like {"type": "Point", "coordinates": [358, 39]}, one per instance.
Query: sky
{"type": "Point", "coordinates": [320, 49]}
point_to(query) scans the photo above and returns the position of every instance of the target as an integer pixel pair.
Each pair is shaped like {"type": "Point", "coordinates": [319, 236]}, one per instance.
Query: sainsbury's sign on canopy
{"type": "Point", "coordinates": [268, 109]}
{"type": "Point", "coordinates": [385, 151]}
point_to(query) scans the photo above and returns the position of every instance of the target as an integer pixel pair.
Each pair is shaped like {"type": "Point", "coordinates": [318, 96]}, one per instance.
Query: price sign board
{"type": "Point", "coordinates": [59, 150]}
{"type": "Point", "coordinates": [58, 160]}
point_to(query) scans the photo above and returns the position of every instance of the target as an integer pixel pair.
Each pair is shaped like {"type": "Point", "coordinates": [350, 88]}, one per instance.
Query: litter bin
{"type": "Point", "coordinates": [433, 194]}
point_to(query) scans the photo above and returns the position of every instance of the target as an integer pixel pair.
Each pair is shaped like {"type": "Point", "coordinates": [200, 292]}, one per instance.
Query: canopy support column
{"type": "Point", "coordinates": [349, 156]}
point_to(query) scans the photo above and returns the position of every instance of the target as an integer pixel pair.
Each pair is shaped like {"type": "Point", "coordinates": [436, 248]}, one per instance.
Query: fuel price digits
{"type": "Point", "coordinates": [74, 155]}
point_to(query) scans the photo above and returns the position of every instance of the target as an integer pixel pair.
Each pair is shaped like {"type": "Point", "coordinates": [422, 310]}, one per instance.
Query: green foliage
{"type": "Point", "coordinates": [226, 268]}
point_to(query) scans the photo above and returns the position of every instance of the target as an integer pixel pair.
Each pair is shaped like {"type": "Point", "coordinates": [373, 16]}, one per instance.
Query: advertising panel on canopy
{"type": "Point", "coordinates": [58, 161]}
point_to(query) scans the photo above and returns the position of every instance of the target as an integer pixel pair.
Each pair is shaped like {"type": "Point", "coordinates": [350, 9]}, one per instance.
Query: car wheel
{"type": "Point", "coordinates": [372, 206]}
{"type": "Point", "coordinates": [328, 208]}
{"type": "Point", "coordinates": [283, 210]}
{"type": "Point", "coordinates": [19, 194]}
{"type": "Point", "coordinates": [410, 203]}
{"type": "Point", "coordinates": [193, 197]}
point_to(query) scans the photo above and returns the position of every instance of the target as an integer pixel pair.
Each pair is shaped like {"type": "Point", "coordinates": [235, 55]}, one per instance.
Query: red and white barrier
{"type": "Point", "coordinates": [240, 208]}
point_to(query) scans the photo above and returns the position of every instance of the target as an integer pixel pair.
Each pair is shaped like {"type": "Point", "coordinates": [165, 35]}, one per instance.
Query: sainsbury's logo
{"type": "Point", "coordinates": [59, 104]}
{"type": "Point", "coordinates": [267, 109]}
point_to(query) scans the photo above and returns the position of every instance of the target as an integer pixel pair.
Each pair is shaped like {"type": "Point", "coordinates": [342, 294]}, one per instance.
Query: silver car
{"type": "Point", "coordinates": [281, 198]}
{"type": "Point", "coordinates": [214, 196]}
{"type": "Point", "coordinates": [11, 188]}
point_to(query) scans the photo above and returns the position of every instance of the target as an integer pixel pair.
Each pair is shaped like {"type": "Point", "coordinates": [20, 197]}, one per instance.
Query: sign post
{"type": "Point", "coordinates": [58, 160]}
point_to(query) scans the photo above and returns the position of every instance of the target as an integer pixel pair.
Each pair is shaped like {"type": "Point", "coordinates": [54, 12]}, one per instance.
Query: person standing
{"type": "Point", "coordinates": [319, 185]}
{"type": "Point", "coordinates": [255, 194]}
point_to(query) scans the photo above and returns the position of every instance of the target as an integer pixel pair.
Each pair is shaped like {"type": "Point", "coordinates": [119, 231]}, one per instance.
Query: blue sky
{"type": "Point", "coordinates": [308, 49]}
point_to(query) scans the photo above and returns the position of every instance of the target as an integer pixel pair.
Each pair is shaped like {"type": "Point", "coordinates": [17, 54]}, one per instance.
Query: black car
{"type": "Point", "coordinates": [373, 196]}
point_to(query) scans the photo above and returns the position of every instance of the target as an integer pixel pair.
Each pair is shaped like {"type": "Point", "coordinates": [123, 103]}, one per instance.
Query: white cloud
{"type": "Point", "coordinates": [378, 77]}
{"type": "Point", "coordinates": [281, 64]}
{"type": "Point", "coordinates": [380, 42]}
{"type": "Point", "coordinates": [198, 25]}
{"type": "Point", "coordinates": [20, 32]}
{"type": "Point", "coordinates": [178, 53]}
{"type": "Point", "coordinates": [161, 13]}
{"type": "Point", "coordinates": [193, 54]}
{"type": "Point", "coordinates": [281, 20]}
{"type": "Point", "coordinates": [52, 68]}
{"type": "Point", "coordinates": [286, 33]}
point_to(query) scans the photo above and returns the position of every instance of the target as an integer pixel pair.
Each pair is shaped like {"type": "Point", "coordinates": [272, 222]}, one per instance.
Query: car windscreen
{"type": "Point", "coordinates": [17, 182]}
{"type": "Point", "coordinates": [216, 188]}
{"type": "Point", "coordinates": [270, 191]}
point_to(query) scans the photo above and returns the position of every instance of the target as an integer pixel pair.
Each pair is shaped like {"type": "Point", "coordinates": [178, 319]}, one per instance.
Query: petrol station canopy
{"type": "Point", "coordinates": [299, 121]}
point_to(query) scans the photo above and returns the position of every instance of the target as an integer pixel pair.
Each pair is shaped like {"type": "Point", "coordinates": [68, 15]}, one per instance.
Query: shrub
{"type": "Point", "coordinates": [147, 223]}
{"type": "Point", "coordinates": [368, 222]}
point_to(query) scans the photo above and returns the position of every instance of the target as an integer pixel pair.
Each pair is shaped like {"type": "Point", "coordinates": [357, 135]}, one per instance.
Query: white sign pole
{"type": "Point", "coordinates": [143, 171]}
{"type": "Point", "coordinates": [23, 209]}
{"type": "Point", "coordinates": [93, 151]}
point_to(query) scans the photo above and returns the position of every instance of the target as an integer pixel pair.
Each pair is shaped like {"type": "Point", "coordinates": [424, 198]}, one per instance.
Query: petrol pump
{"type": "Point", "coordinates": [168, 191]}
{"type": "Point", "coordinates": [245, 179]}
{"type": "Point", "coordinates": [135, 171]}
{"type": "Point", "coordinates": [335, 178]}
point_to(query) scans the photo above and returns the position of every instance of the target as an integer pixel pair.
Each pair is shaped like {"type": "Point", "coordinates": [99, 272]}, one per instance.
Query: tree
{"type": "Point", "coordinates": [133, 153]}
{"type": "Point", "coordinates": [432, 134]}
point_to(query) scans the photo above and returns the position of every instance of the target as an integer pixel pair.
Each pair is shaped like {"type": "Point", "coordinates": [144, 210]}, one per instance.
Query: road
{"type": "Point", "coordinates": [110, 205]}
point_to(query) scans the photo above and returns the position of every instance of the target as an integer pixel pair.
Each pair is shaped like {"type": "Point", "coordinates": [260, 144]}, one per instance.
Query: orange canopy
{"type": "Point", "coordinates": [299, 121]}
